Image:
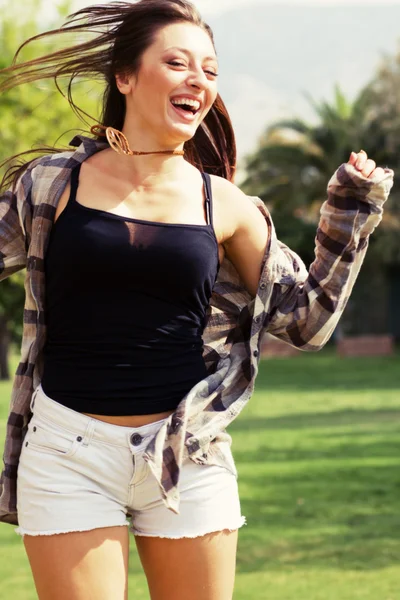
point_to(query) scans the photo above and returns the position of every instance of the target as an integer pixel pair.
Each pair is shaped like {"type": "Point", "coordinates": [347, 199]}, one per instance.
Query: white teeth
{"type": "Point", "coordinates": [189, 101]}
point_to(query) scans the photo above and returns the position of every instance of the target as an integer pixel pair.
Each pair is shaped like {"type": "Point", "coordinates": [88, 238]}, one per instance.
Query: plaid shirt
{"type": "Point", "coordinates": [300, 308]}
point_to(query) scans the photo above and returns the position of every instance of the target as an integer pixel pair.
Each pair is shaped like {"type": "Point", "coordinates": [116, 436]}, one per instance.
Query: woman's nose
{"type": "Point", "coordinates": [198, 79]}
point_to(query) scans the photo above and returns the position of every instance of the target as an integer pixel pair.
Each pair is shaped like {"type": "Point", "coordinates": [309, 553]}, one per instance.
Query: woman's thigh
{"type": "Point", "coordinates": [201, 568]}
{"type": "Point", "coordinates": [191, 554]}
{"type": "Point", "coordinates": [81, 565]}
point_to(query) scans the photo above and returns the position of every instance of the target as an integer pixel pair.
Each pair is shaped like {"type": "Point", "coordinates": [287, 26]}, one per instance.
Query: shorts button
{"type": "Point", "coordinates": [136, 439]}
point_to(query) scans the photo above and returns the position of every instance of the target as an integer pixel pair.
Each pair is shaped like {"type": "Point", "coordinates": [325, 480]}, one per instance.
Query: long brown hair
{"type": "Point", "coordinates": [125, 31]}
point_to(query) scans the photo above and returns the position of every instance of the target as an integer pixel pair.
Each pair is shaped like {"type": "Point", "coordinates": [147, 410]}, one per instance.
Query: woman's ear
{"type": "Point", "coordinates": [124, 82]}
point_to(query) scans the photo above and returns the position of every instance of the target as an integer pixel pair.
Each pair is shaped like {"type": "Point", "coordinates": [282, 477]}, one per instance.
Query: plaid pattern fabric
{"type": "Point", "coordinates": [300, 308]}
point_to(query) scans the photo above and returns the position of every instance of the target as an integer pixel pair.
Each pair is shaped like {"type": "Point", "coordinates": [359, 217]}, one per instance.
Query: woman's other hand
{"type": "Point", "coordinates": [366, 166]}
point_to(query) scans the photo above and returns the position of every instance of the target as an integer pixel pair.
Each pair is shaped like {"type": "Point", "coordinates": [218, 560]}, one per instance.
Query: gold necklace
{"type": "Point", "coordinates": [119, 143]}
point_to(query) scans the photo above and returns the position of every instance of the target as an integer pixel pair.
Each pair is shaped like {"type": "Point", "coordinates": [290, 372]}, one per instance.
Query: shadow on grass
{"type": "Point", "coordinates": [307, 420]}
{"type": "Point", "coordinates": [343, 451]}
{"type": "Point", "coordinates": [316, 499]}
{"type": "Point", "coordinates": [326, 371]}
{"type": "Point", "coordinates": [333, 518]}
{"type": "Point", "coordinates": [359, 549]}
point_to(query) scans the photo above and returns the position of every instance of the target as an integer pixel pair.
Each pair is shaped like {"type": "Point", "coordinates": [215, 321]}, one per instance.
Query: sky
{"type": "Point", "coordinates": [217, 7]}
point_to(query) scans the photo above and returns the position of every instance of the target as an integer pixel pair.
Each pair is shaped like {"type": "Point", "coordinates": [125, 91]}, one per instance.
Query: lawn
{"type": "Point", "coordinates": [317, 450]}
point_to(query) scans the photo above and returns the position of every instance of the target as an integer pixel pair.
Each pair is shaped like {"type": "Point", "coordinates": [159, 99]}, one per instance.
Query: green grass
{"type": "Point", "coordinates": [317, 450]}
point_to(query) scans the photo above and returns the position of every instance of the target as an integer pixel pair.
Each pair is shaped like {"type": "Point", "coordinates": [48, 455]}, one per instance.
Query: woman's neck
{"type": "Point", "coordinates": [148, 171]}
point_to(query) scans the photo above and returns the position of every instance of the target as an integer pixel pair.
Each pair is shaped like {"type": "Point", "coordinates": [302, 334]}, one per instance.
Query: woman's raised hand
{"type": "Point", "coordinates": [365, 165]}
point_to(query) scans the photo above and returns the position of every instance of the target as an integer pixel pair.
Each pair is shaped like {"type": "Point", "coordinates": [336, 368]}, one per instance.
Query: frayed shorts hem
{"type": "Point", "coordinates": [191, 536]}
{"type": "Point", "coordinates": [21, 531]}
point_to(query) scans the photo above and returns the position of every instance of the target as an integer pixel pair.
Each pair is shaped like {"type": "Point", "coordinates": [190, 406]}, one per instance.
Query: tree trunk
{"type": "Point", "coordinates": [4, 349]}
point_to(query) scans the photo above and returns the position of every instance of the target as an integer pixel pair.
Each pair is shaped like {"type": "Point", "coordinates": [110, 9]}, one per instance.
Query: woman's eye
{"type": "Point", "coordinates": [174, 63]}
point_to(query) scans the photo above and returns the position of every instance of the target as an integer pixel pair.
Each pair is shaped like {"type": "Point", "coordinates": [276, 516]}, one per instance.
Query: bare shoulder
{"type": "Point", "coordinates": [232, 207]}
{"type": "Point", "coordinates": [227, 188]}
{"type": "Point", "coordinates": [246, 231]}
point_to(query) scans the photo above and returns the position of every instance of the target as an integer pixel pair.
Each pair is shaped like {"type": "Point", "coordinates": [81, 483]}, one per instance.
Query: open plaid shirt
{"type": "Point", "coordinates": [300, 308]}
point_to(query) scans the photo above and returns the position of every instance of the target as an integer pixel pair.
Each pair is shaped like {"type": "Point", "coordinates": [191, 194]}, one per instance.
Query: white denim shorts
{"type": "Point", "coordinates": [77, 473]}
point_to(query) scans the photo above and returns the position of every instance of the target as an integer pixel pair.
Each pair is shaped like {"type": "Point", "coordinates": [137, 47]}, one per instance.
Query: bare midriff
{"type": "Point", "coordinates": [131, 420]}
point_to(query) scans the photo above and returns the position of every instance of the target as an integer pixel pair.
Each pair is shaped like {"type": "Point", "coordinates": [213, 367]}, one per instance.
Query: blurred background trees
{"type": "Point", "coordinates": [290, 170]}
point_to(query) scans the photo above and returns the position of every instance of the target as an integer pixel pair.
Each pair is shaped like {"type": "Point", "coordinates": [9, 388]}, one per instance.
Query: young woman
{"type": "Point", "coordinates": [151, 279]}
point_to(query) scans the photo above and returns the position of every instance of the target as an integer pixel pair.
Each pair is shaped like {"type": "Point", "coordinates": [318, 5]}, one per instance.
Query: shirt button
{"type": "Point", "coordinates": [136, 439]}
{"type": "Point", "coordinates": [79, 438]}
{"type": "Point", "coordinates": [255, 353]}
{"type": "Point", "coordinates": [257, 319]}
{"type": "Point", "coordinates": [263, 286]}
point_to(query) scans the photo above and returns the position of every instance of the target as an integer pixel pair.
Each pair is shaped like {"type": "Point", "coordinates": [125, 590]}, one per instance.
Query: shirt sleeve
{"type": "Point", "coordinates": [306, 306]}
{"type": "Point", "coordinates": [15, 220]}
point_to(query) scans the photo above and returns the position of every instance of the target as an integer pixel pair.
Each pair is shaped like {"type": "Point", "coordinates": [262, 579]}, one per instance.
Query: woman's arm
{"type": "Point", "coordinates": [15, 218]}
{"type": "Point", "coordinates": [306, 307]}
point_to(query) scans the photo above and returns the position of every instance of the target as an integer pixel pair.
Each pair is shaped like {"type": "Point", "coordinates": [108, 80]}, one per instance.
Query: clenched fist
{"type": "Point", "coordinates": [365, 165]}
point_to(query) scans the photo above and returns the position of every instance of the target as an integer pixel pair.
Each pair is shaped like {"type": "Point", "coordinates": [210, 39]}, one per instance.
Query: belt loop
{"type": "Point", "coordinates": [87, 438]}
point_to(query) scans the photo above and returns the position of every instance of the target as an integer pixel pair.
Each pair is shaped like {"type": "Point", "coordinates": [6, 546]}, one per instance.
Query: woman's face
{"type": "Point", "coordinates": [180, 64]}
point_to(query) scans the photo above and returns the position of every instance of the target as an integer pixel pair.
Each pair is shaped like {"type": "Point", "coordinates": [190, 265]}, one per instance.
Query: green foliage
{"type": "Point", "coordinates": [11, 304]}
{"type": "Point", "coordinates": [290, 171]}
{"type": "Point", "coordinates": [37, 114]}
{"type": "Point", "coordinates": [294, 161]}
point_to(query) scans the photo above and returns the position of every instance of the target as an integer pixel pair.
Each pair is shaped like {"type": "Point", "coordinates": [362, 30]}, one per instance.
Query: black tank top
{"type": "Point", "coordinates": [126, 301]}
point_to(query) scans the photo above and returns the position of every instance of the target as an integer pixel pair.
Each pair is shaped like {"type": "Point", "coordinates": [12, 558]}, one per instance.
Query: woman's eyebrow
{"type": "Point", "coordinates": [188, 53]}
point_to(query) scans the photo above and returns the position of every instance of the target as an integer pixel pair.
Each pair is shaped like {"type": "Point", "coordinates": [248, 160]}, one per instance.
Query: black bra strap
{"type": "Point", "coordinates": [207, 187]}
{"type": "Point", "coordinates": [74, 182]}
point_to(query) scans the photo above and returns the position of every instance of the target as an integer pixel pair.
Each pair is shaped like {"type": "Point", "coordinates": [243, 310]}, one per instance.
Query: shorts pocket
{"type": "Point", "coordinates": [46, 437]}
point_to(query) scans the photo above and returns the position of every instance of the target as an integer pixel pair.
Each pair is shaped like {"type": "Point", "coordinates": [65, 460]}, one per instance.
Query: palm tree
{"type": "Point", "coordinates": [290, 170]}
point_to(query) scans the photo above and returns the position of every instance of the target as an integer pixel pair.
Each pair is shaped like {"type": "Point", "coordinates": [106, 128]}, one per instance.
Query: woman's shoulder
{"type": "Point", "coordinates": [29, 173]}
{"type": "Point", "coordinates": [45, 170]}
{"type": "Point", "coordinates": [231, 194]}
{"type": "Point", "coordinates": [60, 159]}
{"type": "Point", "coordinates": [230, 197]}
{"type": "Point", "coordinates": [234, 209]}
{"type": "Point", "coordinates": [47, 165]}
{"type": "Point", "coordinates": [225, 187]}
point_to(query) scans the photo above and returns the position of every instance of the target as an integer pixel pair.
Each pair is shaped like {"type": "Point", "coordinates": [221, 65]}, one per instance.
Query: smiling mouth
{"type": "Point", "coordinates": [186, 111]}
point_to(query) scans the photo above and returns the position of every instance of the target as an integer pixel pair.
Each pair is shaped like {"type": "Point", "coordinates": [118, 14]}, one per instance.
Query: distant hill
{"type": "Point", "coordinates": [270, 55]}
